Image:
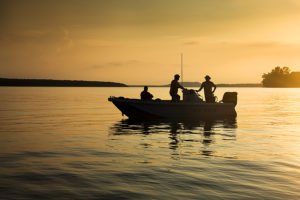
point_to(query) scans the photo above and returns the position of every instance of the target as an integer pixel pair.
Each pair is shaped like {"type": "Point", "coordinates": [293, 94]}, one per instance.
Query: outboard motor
{"type": "Point", "coordinates": [191, 96]}
{"type": "Point", "coordinates": [230, 97]}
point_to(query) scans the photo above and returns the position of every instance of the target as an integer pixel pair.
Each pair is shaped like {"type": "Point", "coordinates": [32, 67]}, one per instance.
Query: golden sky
{"type": "Point", "coordinates": [140, 41]}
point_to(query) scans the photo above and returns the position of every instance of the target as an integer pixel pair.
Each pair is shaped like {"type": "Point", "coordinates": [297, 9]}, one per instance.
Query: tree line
{"type": "Point", "coordinates": [56, 83]}
{"type": "Point", "coordinates": [281, 77]}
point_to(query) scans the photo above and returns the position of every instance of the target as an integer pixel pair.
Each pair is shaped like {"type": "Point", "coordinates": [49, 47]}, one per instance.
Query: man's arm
{"type": "Point", "coordinates": [215, 87]}
{"type": "Point", "coordinates": [151, 96]}
{"type": "Point", "coordinates": [200, 88]}
{"type": "Point", "coordinates": [180, 86]}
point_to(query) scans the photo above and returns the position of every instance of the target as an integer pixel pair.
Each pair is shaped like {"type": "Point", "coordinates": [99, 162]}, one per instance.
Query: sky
{"type": "Point", "coordinates": [140, 41]}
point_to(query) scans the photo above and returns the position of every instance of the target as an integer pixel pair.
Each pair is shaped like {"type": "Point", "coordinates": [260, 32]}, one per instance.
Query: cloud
{"type": "Point", "coordinates": [261, 45]}
{"type": "Point", "coordinates": [67, 41]}
{"type": "Point", "coordinates": [59, 39]}
{"type": "Point", "coordinates": [23, 36]}
{"type": "Point", "coordinates": [36, 35]}
{"type": "Point", "coordinates": [267, 44]}
{"type": "Point", "coordinates": [117, 64]}
{"type": "Point", "coordinates": [191, 43]}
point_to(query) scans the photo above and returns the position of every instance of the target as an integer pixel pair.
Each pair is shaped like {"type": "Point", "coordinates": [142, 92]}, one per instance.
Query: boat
{"type": "Point", "coordinates": [191, 107]}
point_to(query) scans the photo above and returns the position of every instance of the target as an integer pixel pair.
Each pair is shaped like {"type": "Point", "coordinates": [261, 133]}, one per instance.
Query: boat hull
{"type": "Point", "coordinates": [138, 109]}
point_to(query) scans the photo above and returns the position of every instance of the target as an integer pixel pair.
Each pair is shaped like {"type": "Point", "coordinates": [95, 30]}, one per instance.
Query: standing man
{"type": "Point", "coordinates": [174, 88]}
{"type": "Point", "coordinates": [209, 89]}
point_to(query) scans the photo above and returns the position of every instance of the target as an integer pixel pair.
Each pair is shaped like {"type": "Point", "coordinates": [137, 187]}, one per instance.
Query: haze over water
{"type": "Point", "coordinates": [71, 143]}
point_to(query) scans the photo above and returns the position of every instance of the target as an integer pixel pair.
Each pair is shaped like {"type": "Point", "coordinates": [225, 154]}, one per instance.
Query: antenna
{"type": "Point", "coordinates": [181, 68]}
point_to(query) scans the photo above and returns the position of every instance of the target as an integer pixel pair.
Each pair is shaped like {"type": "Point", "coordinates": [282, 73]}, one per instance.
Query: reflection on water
{"type": "Point", "coordinates": [68, 143]}
{"type": "Point", "coordinates": [206, 130]}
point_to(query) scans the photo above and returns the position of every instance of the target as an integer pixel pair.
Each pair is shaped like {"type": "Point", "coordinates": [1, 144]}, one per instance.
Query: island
{"type": "Point", "coordinates": [56, 83]}
{"type": "Point", "coordinates": [281, 77]}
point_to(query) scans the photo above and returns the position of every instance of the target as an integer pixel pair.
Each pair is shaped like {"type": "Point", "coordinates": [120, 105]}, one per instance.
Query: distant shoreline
{"type": "Point", "coordinates": [10, 82]}
{"type": "Point", "coordinates": [198, 84]}
{"type": "Point", "coordinates": [56, 83]}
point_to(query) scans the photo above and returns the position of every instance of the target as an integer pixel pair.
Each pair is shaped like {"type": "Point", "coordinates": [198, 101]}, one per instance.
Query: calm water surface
{"type": "Point", "coordinates": [71, 143]}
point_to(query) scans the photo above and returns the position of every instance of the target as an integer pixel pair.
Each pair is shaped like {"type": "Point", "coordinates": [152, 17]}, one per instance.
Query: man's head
{"type": "Point", "coordinates": [176, 77]}
{"type": "Point", "coordinates": [207, 77]}
{"type": "Point", "coordinates": [145, 88]}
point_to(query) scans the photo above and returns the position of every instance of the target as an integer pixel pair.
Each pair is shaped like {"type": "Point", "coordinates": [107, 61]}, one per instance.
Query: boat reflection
{"type": "Point", "coordinates": [201, 133]}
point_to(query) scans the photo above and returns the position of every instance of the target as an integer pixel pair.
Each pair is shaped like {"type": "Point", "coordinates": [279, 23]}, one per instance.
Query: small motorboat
{"type": "Point", "coordinates": [191, 107]}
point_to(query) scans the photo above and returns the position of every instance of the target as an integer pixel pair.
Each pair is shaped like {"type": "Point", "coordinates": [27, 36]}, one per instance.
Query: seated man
{"type": "Point", "coordinates": [145, 95]}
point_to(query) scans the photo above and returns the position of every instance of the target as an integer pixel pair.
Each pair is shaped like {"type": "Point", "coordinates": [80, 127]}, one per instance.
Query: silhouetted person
{"type": "Point", "coordinates": [174, 88]}
{"type": "Point", "coordinates": [145, 95]}
{"type": "Point", "coordinates": [209, 89]}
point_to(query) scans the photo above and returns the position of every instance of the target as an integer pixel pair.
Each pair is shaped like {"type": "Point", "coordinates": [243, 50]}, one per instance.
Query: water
{"type": "Point", "coordinates": [71, 143]}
